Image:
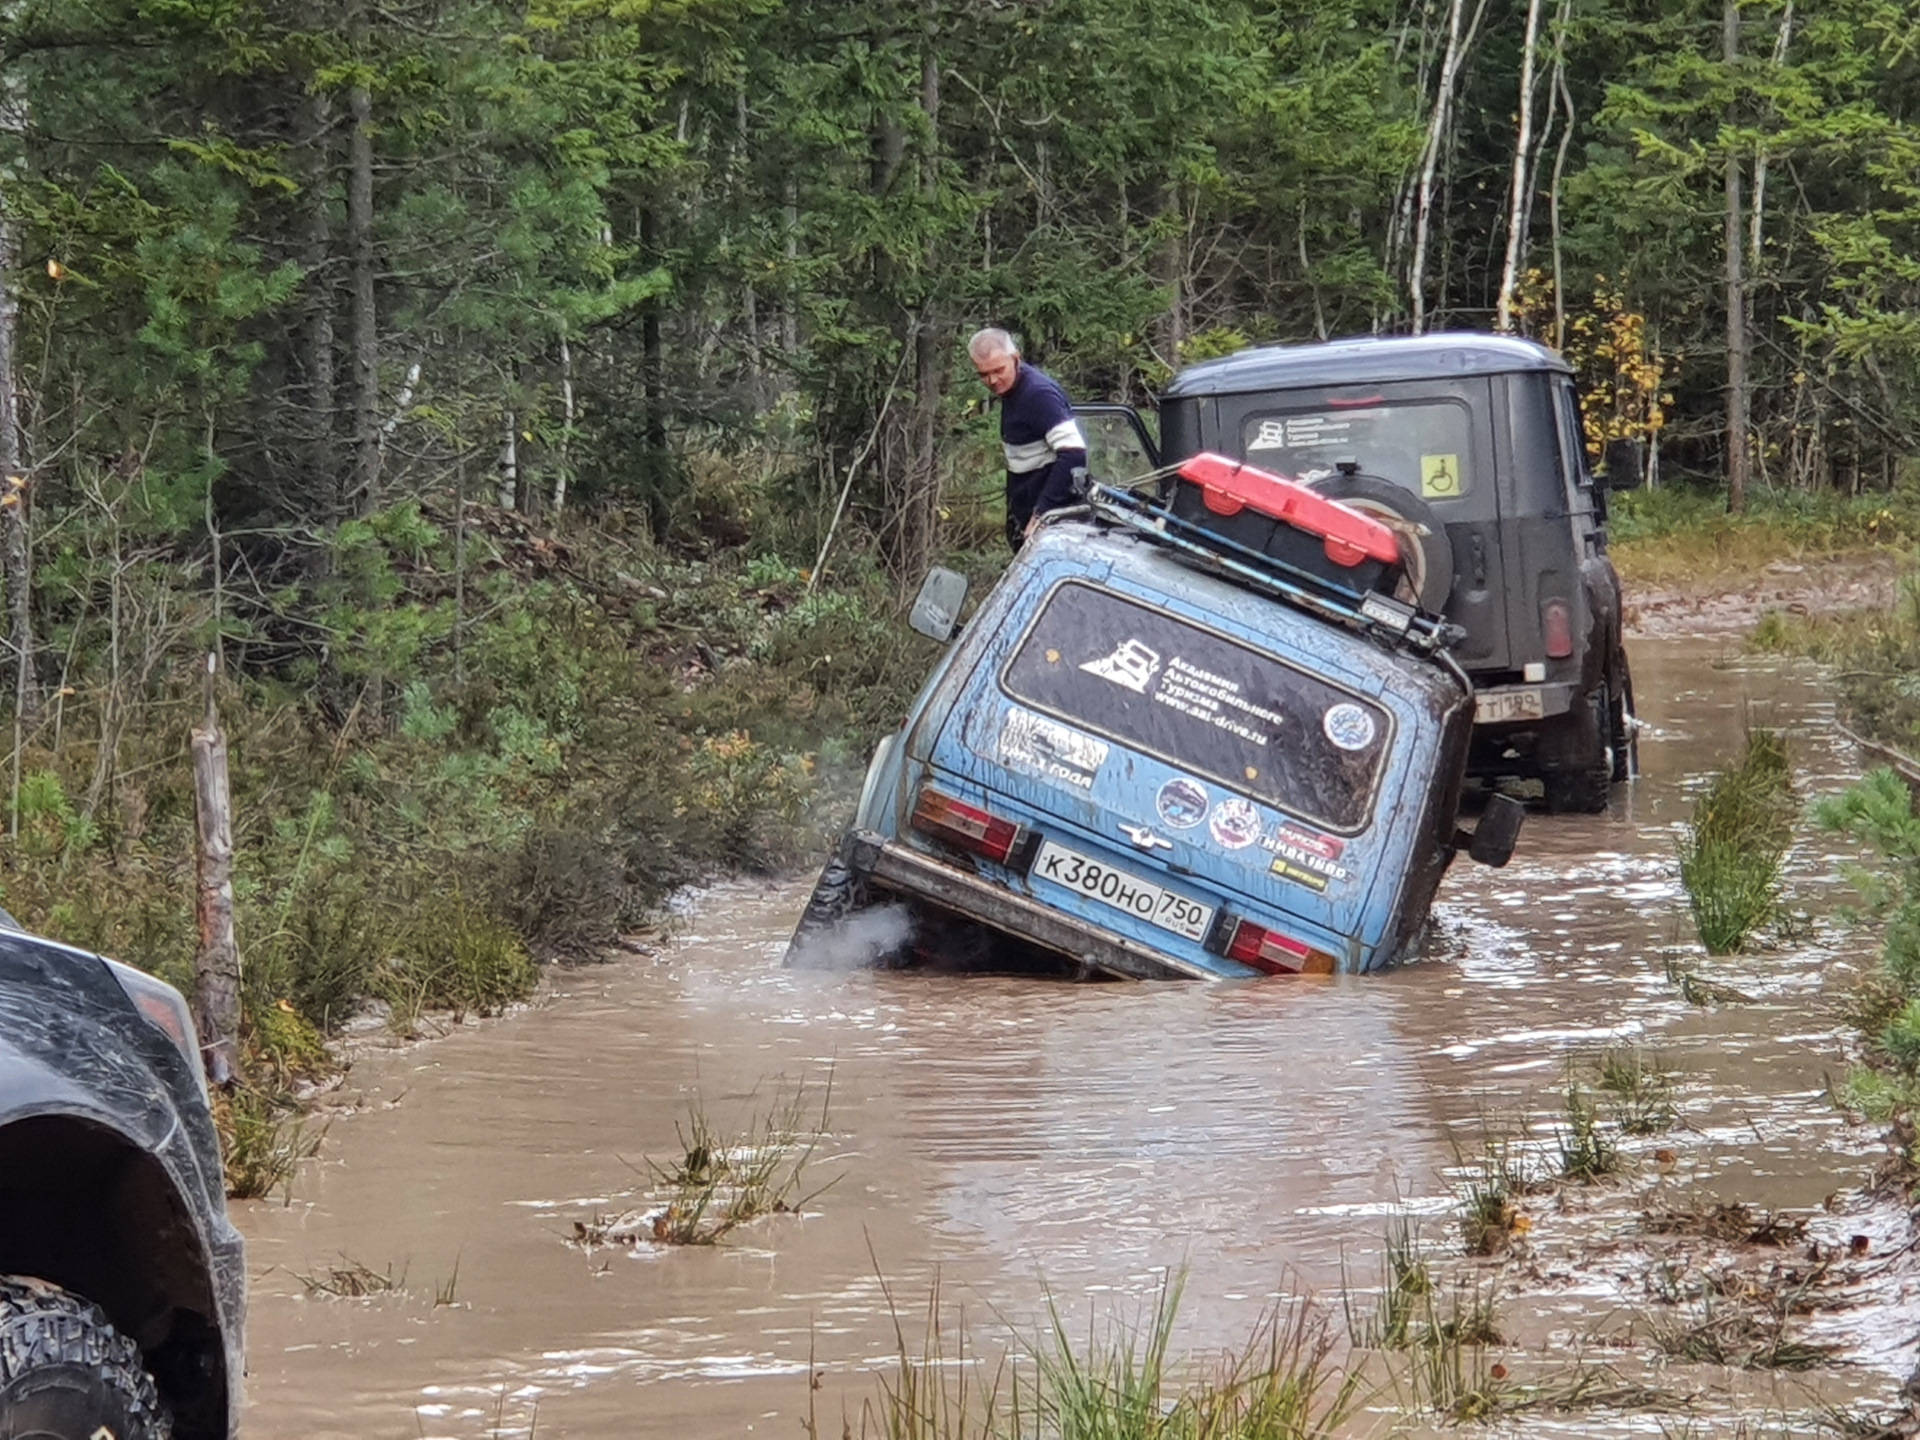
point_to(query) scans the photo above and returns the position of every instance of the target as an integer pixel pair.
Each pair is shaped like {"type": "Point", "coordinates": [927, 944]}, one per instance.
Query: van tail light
{"type": "Point", "coordinates": [1272, 952]}
{"type": "Point", "coordinates": [967, 826]}
{"type": "Point", "coordinates": [1556, 628]}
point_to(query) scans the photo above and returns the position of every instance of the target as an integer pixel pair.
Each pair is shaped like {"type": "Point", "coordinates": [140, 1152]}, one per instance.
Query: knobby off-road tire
{"type": "Point", "coordinates": [1622, 728]}
{"type": "Point", "coordinates": [66, 1374]}
{"type": "Point", "coordinates": [1582, 788]}
{"type": "Point", "coordinates": [837, 894]}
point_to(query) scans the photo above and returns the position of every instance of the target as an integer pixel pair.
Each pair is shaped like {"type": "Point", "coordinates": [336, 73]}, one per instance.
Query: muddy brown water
{"type": "Point", "coordinates": [1015, 1139]}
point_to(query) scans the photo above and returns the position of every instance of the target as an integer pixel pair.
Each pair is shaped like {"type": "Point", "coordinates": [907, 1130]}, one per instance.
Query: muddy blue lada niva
{"type": "Point", "coordinates": [1189, 733]}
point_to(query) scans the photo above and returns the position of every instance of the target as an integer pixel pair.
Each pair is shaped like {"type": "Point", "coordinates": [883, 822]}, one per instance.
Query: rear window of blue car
{"type": "Point", "coordinates": [1203, 703]}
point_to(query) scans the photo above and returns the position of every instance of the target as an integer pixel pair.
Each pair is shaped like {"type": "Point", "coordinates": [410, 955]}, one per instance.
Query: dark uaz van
{"type": "Point", "coordinates": [1471, 445]}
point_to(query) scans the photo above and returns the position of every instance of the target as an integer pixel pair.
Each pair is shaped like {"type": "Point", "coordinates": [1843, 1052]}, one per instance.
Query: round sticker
{"type": "Point", "coordinates": [1182, 803]}
{"type": "Point", "coordinates": [1234, 823]}
{"type": "Point", "coordinates": [1348, 726]}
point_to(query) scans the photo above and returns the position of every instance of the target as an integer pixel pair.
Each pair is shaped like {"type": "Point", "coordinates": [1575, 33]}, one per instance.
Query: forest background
{"type": "Point", "coordinates": [481, 382]}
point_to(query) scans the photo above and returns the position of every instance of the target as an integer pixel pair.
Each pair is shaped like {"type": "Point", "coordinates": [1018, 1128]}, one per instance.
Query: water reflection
{"type": "Point", "coordinates": [1018, 1138]}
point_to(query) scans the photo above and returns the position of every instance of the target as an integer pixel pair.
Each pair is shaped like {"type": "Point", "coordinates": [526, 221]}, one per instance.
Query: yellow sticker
{"type": "Point", "coordinates": [1440, 477]}
{"type": "Point", "coordinates": [1053, 657]}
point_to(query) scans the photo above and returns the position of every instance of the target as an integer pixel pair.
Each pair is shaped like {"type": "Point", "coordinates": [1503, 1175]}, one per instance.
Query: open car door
{"type": "Point", "coordinates": [1120, 450]}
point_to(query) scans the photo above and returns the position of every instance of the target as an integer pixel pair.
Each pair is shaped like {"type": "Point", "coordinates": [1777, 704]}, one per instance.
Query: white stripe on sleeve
{"type": "Point", "coordinates": [1024, 459]}
{"type": "Point", "coordinates": [1066, 436]}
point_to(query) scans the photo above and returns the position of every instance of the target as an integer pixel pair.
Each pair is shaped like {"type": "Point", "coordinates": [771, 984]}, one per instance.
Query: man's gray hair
{"type": "Point", "coordinates": [990, 342]}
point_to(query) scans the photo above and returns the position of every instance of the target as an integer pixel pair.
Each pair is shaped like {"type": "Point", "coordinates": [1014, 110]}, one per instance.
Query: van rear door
{"type": "Point", "coordinates": [1432, 438]}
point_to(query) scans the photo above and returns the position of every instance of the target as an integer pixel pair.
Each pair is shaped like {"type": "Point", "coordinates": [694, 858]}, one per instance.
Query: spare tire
{"type": "Point", "coordinates": [1425, 550]}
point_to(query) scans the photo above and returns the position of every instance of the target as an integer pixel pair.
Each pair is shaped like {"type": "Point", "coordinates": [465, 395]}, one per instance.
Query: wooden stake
{"type": "Point", "coordinates": [216, 971]}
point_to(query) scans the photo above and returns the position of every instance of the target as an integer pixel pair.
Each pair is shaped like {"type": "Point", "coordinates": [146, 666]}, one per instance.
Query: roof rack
{"type": "Point", "coordinates": [1388, 618]}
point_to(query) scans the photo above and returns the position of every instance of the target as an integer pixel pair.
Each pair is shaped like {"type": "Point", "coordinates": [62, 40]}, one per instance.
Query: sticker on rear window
{"type": "Point", "coordinates": [1045, 747]}
{"type": "Point", "coordinates": [1306, 858]}
{"type": "Point", "coordinates": [1234, 823]}
{"type": "Point", "coordinates": [1348, 726]}
{"type": "Point", "coordinates": [1182, 803]}
{"type": "Point", "coordinates": [1131, 664]}
{"type": "Point", "coordinates": [1440, 476]}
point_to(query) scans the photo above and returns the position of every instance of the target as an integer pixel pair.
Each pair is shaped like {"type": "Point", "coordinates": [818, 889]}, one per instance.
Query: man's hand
{"type": "Point", "coordinates": [1032, 525]}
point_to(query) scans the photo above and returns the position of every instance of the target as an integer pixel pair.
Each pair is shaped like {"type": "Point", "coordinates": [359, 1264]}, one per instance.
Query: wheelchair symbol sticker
{"type": "Point", "coordinates": [1440, 477]}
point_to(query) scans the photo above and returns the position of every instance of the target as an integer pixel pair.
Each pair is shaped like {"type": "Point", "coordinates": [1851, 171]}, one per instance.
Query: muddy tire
{"type": "Point", "coordinates": [1425, 550]}
{"type": "Point", "coordinates": [1582, 787]}
{"type": "Point", "coordinates": [838, 895]}
{"type": "Point", "coordinates": [66, 1374]}
{"type": "Point", "coordinates": [1623, 727]}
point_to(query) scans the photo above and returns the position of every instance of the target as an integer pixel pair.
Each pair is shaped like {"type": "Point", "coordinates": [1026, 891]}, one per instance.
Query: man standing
{"type": "Point", "coordinates": [1042, 439]}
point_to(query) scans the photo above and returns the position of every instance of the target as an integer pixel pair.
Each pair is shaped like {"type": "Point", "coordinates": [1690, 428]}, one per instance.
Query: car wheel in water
{"type": "Point", "coordinates": [1425, 550]}
{"type": "Point", "coordinates": [1624, 726]}
{"type": "Point", "coordinates": [66, 1374]}
{"type": "Point", "coordinates": [823, 940]}
{"type": "Point", "coordinates": [1580, 788]}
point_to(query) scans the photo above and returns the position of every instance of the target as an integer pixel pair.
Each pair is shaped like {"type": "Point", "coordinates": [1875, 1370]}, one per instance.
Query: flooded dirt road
{"type": "Point", "coordinates": [1018, 1137]}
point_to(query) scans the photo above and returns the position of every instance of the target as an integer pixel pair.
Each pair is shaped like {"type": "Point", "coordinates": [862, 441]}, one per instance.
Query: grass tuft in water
{"type": "Point", "coordinates": [1587, 1151]}
{"type": "Point", "coordinates": [1406, 1293]}
{"type": "Point", "coordinates": [1638, 1091]}
{"type": "Point", "coordinates": [1742, 1337]}
{"type": "Point", "coordinates": [1496, 1180]}
{"type": "Point", "coordinates": [263, 1139]}
{"type": "Point", "coordinates": [1120, 1383]}
{"type": "Point", "coordinates": [721, 1181]}
{"type": "Point", "coordinates": [1696, 989]}
{"type": "Point", "coordinates": [1736, 842]}
{"type": "Point", "coordinates": [352, 1280]}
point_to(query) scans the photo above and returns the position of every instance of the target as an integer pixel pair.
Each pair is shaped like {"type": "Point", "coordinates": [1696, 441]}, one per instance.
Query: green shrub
{"type": "Point", "coordinates": [1901, 1038]}
{"type": "Point", "coordinates": [451, 954]}
{"type": "Point", "coordinates": [1735, 844]}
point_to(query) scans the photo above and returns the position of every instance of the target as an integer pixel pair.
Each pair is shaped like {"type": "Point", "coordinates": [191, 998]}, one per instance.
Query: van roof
{"type": "Point", "coordinates": [1365, 359]}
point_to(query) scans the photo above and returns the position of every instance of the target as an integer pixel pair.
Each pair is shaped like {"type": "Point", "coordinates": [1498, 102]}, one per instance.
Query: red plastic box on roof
{"type": "Point", "coordinates": [1229, 486]}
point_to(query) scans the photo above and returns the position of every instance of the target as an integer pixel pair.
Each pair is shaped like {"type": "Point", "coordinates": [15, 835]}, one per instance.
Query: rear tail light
{"type": "Point", "coordinates": [1556, 627]}
{"type": "Point", "coordinates": [1272, 952]}
{"type": "Point", "coordinates": [967, 826]}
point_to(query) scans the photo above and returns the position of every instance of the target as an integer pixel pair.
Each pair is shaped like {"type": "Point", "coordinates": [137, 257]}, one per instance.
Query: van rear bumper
{"type": "Point", "coordinates": [891, 866]}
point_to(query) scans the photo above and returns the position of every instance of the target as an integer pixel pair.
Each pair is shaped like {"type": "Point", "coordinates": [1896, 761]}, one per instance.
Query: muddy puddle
{"type": "Point", "coordinates": [1017, 1139]}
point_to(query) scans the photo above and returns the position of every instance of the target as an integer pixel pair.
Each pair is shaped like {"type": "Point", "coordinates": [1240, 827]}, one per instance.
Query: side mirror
{"type": "Point", "coordinates": [936, 609]}
{"type": "Point", "coordinates": [1493, 838]}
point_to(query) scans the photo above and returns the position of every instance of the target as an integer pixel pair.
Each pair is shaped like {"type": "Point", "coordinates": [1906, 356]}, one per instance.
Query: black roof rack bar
{"type": "Point", "coordinates": [1378, 614]}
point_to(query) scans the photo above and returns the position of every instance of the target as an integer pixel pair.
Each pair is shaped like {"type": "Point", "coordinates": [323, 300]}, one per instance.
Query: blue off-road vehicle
{"type": "Point", "coordinates": [122, 1281]}
{"type": "Point", "coordinates": [1189, 733]}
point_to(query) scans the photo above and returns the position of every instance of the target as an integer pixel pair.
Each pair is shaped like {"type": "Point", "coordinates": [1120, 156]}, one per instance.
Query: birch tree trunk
{"type": "Point", "coordinates": [1437, 135]}
{"type": "Point", "coordinates": [1737, 457]}
{"type": "Point", "coordinates": [16, 491]}
{"type": "Point", "coordinates": [1522, 172]}
{"type": "Point", "coordinates": [1759, 206]}
{"type": "Point", "coordinates": [216, 970]}
{"type": "Point", "coordinates": [561, 473]}
{"type": "Point", "coordinates": [1560, 167]}
{"type": "Point", "coordinates": [509, 491]}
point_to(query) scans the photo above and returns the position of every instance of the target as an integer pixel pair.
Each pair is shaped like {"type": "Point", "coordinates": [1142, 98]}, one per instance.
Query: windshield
{"type": "Point", "coordinates": [1203, 703]}
{"type": "Point", "coordinates": [1423, 443]}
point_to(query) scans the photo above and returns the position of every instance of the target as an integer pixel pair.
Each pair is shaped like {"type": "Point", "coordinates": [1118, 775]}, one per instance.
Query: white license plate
{"type": "Point", "coordinates": [1492, 707]}
{"type": "Point", "coordinates": [1100, 881]}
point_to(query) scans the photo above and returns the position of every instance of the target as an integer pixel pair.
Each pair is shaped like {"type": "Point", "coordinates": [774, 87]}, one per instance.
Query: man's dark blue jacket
{"type": "Point", "coordinates": [1044, 446]}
